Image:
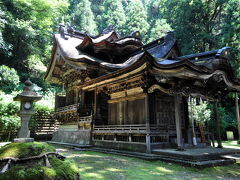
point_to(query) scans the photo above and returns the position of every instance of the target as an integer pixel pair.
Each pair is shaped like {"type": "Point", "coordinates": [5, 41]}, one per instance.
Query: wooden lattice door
{"type": "Point", "coordinates": [165, 110]}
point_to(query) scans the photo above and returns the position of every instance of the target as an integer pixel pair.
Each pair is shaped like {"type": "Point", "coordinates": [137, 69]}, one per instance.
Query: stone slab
{"type": "Point", "coordinates": [139, 147]}
{"type": "Point", "coordinates": [21, 140]}
{"type": "Point", "coordinates": [197, 153]}
{"type": "Point", "coordinates": [232, 156]}
{"type": "Point", "coordinates": [155, 157]}
{"type": "Point", "coordinates": [70, 144]}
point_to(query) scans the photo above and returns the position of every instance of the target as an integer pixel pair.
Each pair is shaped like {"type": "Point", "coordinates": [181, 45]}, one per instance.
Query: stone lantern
{"type": "Point", "coordinates": [27, 97]}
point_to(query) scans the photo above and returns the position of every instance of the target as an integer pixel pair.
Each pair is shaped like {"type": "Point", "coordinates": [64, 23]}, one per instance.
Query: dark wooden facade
{"type": "Point", "coordinates": [131, 96]}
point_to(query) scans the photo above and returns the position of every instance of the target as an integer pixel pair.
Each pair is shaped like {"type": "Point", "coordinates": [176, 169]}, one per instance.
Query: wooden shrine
{"type": "Point", "coordinates": [122, 94]}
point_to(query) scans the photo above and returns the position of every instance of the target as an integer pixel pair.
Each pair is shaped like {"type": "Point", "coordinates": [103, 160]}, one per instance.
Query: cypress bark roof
{"type": "Point", "coordinates": [121, 54]}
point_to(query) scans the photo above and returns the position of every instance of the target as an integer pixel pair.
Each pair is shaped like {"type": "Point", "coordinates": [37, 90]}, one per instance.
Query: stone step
{"type": "Point", "coordinates": [197, 154]}
{"type": "Point", "coordinates": [154, 157]}
{"type": "Point", "coordinates": [70, 144]}
{"type": "Point", "coordinates": [197, 163]}
{"type": "Point", "coordinates": [231, 156]}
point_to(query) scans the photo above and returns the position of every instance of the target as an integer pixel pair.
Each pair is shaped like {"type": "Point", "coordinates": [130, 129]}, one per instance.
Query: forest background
{"type": "Point", "coordinates": [27, 28]}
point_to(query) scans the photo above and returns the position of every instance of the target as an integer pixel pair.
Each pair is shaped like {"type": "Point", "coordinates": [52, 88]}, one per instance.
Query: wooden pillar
{"type": "Point", "coordinates": [186, 122]}
{"type": "Point", "coordinates": [237, 117]}
{"type": "Point", "coordinates": [83, 98]}
{"type": "Point", "coordinates": [177, 99]}
{"type": "Point", "coordinates": [95, 104]}
{"type": "Point", "coordinates": [76, 95]}
{"type": "Point", "coordinates": [94, 114]}
{"type": "Point", "coordinates": [148, 138]}
{"type": "Point", "coordinates": [218, 131]}
{"type": "Point", "coordinates": [95, 107]}
{"type": "Point", "coordinates": [130, 138]}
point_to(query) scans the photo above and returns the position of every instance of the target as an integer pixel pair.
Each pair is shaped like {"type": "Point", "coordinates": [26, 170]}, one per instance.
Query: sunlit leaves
{"type": "Point", "coordinates": [82, 16]}
{"type": "Point", "coordinates": [136, 18]}
{"type": "Point", "coordinates": [159, 29]}
{"type": "Point", "coordinates": [114, 14]}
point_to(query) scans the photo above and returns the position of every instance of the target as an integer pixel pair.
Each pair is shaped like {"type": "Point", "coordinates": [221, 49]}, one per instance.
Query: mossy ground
{"type": "Point", "coordinates": [93, 165]}
{"type": "Point", "coordinates": [60, 169]}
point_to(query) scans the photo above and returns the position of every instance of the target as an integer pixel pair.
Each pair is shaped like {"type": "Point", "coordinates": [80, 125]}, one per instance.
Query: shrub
{"type": "Point", "coordinates": [9, 79]}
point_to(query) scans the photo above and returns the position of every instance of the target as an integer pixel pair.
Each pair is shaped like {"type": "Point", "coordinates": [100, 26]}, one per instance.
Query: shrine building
{"type": "Point", "coordinates": [122, 94]}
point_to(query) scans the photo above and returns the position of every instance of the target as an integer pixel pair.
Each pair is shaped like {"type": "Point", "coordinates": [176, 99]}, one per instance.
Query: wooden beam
{"type": "Point", "coordinates": [218, 130]}
{"type": "Point", "coordinates": [237, 116]}
{"type": "Point", "coordinates": [177, 99]}
{"type": "Point", "coordinates": [95, 105]}
{"type": "Point", "coordinates": [148, 138]}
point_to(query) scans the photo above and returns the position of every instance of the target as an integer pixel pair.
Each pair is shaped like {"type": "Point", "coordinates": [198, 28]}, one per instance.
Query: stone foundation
{"type": "Point", "coordinates": [138, 147]}
{"type": "Point", "coordinates": [71, 134]}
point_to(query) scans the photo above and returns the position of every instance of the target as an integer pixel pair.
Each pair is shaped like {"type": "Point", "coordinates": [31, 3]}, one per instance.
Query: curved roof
{"type": "Point", "coordinates": [80, 50]}
{"type": "Point", "coordinates": [72, 49]}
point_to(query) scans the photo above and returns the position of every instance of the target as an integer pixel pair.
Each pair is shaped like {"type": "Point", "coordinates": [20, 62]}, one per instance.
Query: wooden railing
{"type": "Point", "coordinates": [130, 133]}
{"type": "Point", "coordinates": [86, 119]}
{"type": "Point", "coordinates": [133, 128]}
{"type": "Point", "coordinates": [72, 107]}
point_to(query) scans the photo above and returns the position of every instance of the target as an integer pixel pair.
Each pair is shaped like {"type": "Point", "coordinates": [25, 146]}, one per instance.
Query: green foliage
{"type": "Point", "coordinates": [113, 14]}
{"type": "Point", "coordinates": [230, 35]}
{"type": "Point", "coordinates": [8, 113]}
{"type": "Point", "coordinates": [28, 28]}
{"type": "Point", "coordinates": [82, 16]}
{"type": "Point", "coordinates": [9, 79]}
{"type": "Point", "coordinates": [201, 113]}
{"type": "Point", "coordinates": [40, 86]}
{"type": "Point", "coordinates": [160, 29]}
{"type": "Point", "coordinates": [136, 18]}
{"type": "Point", "coordinates": [4, 46]}
{"type": "Point", "coordinates": [227, 119]}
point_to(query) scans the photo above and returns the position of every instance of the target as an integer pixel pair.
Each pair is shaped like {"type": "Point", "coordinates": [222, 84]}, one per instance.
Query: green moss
{"type": "Point", "coordinates": [24, 173]}
{"type": "Point", "coordinates": [60, 170]}
{"type": "Point", "coordinates": [94, 165]}
{"type": "Point", "coordinates": [21, 150]}
{"type": "Point", "coordinates": [66, 170]}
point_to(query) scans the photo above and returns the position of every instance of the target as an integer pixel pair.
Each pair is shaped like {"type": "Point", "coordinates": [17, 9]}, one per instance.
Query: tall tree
{"type": "Point", "coordinates": [159, 28]}
{"type": "Point", "coordinates": [197, 23]}
{"type": "Point", "coordinates": [136, 17]}
{"type": "Point", "coordinates": [113, 15]}
{"type": "Point", "coordinates": [230, 34]}
{"type": "Point", "coordinates": [82, 16]}
{"type": "Point", "coordinates": [29, 28]}
{"type": "Point", "coordinates": [5, 48]}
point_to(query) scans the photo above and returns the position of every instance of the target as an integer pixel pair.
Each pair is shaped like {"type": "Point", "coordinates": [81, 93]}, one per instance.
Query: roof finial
{"type": "Point", "coordinates": [109, 29]}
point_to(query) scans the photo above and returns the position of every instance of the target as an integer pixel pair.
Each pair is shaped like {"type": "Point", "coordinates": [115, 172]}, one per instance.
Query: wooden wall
{"type": "Point", "coordinates": [162, 110]}
{"type": "Point", "coordinates": [127, 112]}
